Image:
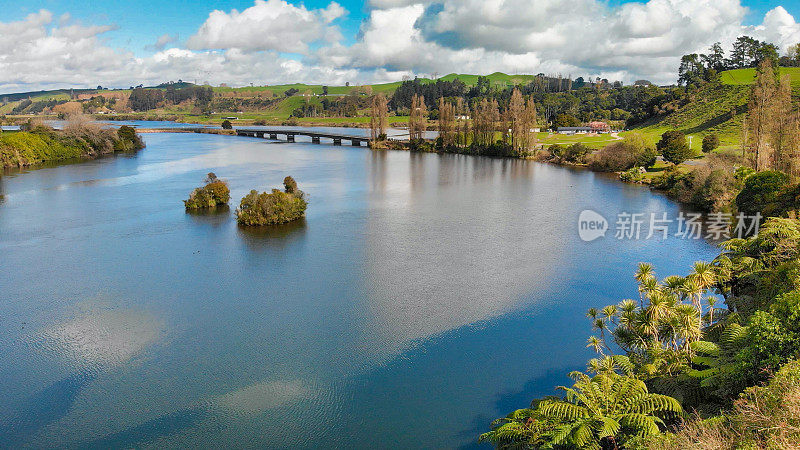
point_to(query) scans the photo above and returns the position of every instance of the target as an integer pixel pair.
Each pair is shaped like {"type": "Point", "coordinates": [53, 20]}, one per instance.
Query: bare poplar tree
{"type": "Point", "coordinates": [761, 113]}
{"type": "Point", "coordinates": [516, 120]}
{"type": "Point", "coordinates": [446, 123]}
{"type": "Point", "coordinates": [783, 139]}
{"type": "Point", "coordinates": [378, 118]}
{"type": "Point", "coordinates": [418, 119]}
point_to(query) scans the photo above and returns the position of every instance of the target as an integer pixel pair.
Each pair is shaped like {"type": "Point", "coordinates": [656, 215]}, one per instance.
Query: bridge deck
{"type": "Point", "coordinates": [312, 134]}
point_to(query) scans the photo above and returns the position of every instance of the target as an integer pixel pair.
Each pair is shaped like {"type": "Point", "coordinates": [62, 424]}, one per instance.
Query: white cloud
{"type": "Point", "coordinates": [632, 41]}
{"type": "Point", "coordinates": [268, 25]}
{"type": "Point", "coordinates": [399, 37]}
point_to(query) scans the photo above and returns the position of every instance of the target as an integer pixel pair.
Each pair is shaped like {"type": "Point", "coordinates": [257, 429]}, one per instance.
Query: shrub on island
{"type": "Point", "coordinates": [213, 194]}
{"type": "Point", "coordinates": [276, 207]}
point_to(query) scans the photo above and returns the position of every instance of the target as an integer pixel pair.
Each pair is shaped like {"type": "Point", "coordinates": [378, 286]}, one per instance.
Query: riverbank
{"type": "Point", "coordinates": [41, 144]}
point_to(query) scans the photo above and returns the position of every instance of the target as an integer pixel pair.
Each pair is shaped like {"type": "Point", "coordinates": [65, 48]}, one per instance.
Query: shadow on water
{"type": "Point", "coordinates": [46, 406]}
{"type": "Point", "coordinates": [147, 431]}
{"type": "Point", "coordinates": [210, 216]}
{"type": "Point", "coordinates": [534, 388]}
{"type": "Point", "coordinates": [272, 235]}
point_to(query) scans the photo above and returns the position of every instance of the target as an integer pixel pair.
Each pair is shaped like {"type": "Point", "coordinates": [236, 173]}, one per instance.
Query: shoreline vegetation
{"type": "Point", "coordinates": [36, 143]}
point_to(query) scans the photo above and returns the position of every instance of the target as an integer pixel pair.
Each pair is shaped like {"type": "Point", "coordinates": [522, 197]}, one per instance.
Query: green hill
{"type": "Point", "coordinates": [744, 77]}
{"type": "Point", "coordinates": [715, 108]}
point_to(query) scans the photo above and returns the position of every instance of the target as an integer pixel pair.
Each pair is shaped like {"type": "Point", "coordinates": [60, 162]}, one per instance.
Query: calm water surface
{"type": "Point", "coordinates": [423, 296]}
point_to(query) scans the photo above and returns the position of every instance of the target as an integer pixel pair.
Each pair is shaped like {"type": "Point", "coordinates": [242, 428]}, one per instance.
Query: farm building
{"type": "Point", "coordinates": [573, 130]}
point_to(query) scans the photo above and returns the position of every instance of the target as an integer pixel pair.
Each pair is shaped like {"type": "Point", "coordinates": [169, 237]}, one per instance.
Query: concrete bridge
{"type": "Point", "coordinates": [355, 141]}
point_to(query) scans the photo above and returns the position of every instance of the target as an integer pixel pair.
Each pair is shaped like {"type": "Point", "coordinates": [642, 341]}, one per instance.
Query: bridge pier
{"type": "Point", "coordinates": [290, 137]}
{"type": "Point", "coordinates": [315, 139]}
{"type": "Point", "coordinates": [337, 141]}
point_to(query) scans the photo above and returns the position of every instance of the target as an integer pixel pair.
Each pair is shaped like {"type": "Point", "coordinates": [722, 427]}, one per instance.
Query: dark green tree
{"type": "Point", "coordinates": [674, 147]}
{"type": "Point", "coordinates": [710, 142]}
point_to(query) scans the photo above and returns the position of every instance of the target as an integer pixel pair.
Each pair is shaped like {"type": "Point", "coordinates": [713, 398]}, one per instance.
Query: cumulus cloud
{"type": "Point", "coordinates": [268, 25]}
{"type": "Point", "coordinates": [50, 54]}
{"type": "Point", "coordinates": [278, 41]}
{"type": "Point", "coordinates": [635, 40]}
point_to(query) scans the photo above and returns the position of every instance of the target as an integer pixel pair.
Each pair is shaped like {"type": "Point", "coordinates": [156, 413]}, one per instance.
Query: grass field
{"type": "Point", "coordinates": [591, 141]}
{"type": "Point", "coordinates": [745, 77]}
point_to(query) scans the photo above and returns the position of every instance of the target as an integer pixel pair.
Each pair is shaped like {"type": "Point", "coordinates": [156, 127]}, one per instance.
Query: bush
{"type": "Point", "coordinates": [624, 155]}
{"type": "Point", "coordinates": [575, 153]}
{"type": "Point", "coordinates": [766, 416]}
{"type": "Point", "coordinates": [673, 147]}
{"type": "Point", "coordinates": [712, 187]}
{"type": "Point", "coordinates": [129, 139]}
{"type": "Point", "coordinates": [214, 193]}
{"type": "Point", "coordinates": [710, 143]}
{"type": "Point", "coordinates": [272, 208]}
{"type": "Point", "coordinates": [762, 193]}
{"type": "Point", "coordinates": [227, 125]}
{"type": "Point", "coordinates": [633, 175]}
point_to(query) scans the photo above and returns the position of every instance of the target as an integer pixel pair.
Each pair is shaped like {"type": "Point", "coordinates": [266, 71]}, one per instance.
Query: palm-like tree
{"type": "Point", "coordinates": [605, 411]}
{"type": "Point", "coordinates": [609, 313]}
{"type": "Point", "coordinates": [674, 284]}
{"type": "Point", "coordinates": [694, 292]}
{"type": "Point", "coordinates": [704, 275]}
{"type": "Point", "coordinates": [595, 343]}
{"type": "Point", "coordinates": [645, 275]}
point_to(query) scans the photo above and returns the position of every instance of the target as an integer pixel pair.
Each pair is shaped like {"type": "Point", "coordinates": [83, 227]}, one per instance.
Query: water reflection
{"type": "Point", "coordinates": [215, 217]}
{"type": "Point", "coordinates": [272, 236]}
{"type": "Point", "coordinates": [259, 397]}
{"type": "Point", "coordinates": [99, 339]}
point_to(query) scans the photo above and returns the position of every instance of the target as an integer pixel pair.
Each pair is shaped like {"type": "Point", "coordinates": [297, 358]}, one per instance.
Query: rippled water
{"type": "Point", "coordinates": [423, 296]}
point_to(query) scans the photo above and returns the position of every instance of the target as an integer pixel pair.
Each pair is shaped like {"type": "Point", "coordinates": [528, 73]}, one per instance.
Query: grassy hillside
{"type": "Point", "coordinates": [744, 77]}
{"type": "Point", "coordinates": [713, 109]}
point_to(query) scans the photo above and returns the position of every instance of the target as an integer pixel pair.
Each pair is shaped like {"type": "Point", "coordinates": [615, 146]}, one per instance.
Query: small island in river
{"type": "Point", "coordinates": [276, 207]}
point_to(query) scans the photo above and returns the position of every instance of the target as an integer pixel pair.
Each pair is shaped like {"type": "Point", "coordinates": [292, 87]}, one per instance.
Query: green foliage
{"type": "Point", "coordinates": [213, 194]}
{"type": "Point", "coordinates": [566, 120]}
{"type": "Point", "coordinates": [573, 154]}
{"type": "Point", "coordinates": [633, 175]}
{"type": "Point", "coordinates": [38, 144]}
{"type": "Point", "coordinates": [634, 151]}
{"type": "Point", "coordinates": [227, 125]}
{"type": "Point", "coordinates": [602, 411]}
{"type": "Point", "coordinates": [766, 416]}
{"type": "Point", "coordinates": [129, 139]}
{"type": "Point", "coordinates": [674, 147]}
{"type": "Point", "coordinates": [710, 142]}
{"type": "Point", "coordinates": [272, 208]}
{"type": "Point", "coordinates": [762, 193]}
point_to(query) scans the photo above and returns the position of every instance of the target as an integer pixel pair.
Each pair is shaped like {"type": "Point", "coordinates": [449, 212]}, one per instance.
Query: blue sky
{"type": "Point", "coordinates": [140, 23]}
{"type": "Point", "coordinates": [112, 42]}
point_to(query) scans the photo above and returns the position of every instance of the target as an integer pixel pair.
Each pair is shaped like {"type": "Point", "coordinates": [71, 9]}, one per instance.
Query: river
{"type": "Point", "coordinates": [423, 296]}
